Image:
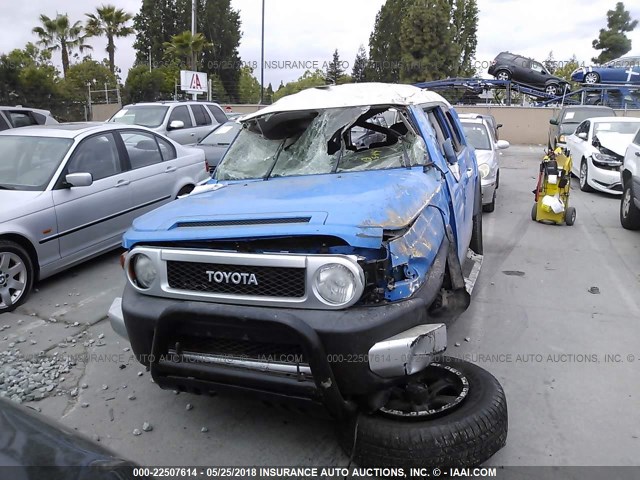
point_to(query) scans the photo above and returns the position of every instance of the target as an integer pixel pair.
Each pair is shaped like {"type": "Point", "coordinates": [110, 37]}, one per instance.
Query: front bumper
{"type": "Point", "coordinates": [488, 191]}
{"type": "Point", "coordinates": [341, 356]}
{"type": "Point", "coordinates": [608, 181]}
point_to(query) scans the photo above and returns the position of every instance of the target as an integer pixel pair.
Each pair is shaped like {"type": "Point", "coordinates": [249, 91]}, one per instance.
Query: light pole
{"type": "Point", "coordinates": [149, 58]}
{"type": "Point", "coordinates": [262, 60]}
{"type": "Point", "coordinates": [89, 87]}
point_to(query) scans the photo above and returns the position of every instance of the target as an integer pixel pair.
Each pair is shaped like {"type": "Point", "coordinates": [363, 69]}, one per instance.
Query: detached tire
{"type": "Point", "coordinates": [466, 436]}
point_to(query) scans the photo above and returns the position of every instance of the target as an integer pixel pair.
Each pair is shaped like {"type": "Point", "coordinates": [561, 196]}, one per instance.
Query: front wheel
{"type": "Point", "coordinates": [453, 413]}
{"type": "Point", "coordinates": [490, 207]}
{"type": "Point", "coordinates": [584, 177]}
{"type": "Point", "coordinates": [16, 275]}
{"type": "Point", "coordinates": [629, 213]}
{"type": "Point", "coordinates": [503, 75]}
{"type": "Point", "coordinates": [592, 77]}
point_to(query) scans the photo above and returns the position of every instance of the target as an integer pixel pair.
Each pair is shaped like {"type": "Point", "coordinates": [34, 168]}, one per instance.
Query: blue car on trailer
{"type": "Point", "coordinates": [339, 236]}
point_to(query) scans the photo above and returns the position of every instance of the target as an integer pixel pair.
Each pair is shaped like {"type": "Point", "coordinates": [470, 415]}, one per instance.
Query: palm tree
{"type": "Point", "coordinates": [187, 46]}
{"type": "Point", "coordinates": [110, 22]}
{"type": "Point", "coordinates": [58, 34]}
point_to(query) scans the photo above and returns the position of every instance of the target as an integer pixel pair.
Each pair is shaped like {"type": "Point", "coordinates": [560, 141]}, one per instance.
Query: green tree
{"type": "Point", "coordinates": [59, 34]}
{"type": "Point", "coordinates": [27, 77]}
{"type": "Point", "coordinates": [384, 43]}
{"type": "Point", "coordinates": [613, 42]}
{"type": "Point", "coordinates": [110, 22]}
{"type": "Point", "coordinates": [565, 70]}
{"type": "Point", "coordinates": [87, 72]}
{"type": "Point", "coordinates": [186, 46]}
{"type": "Point", "coordinates": [464, 19]}
{"type": "Point", "coordinates": [248, 87]}
{"type": "Point", "coordinates": [268, 95]}
{"type": "Point", "coordinates": [335, 72]}
{"type": "Point", "coordinates": [220, 23]}
{"type": "Point", "coordinates": [426, 38]}
{"type": "Point", "coordinates": [358, 73]}
{"type": "Point", "coordinates": [155, 24]}
{"type": "Point", "coordinates": [308, 80]}
{"type": "Point", "coordinates": [143, 85]}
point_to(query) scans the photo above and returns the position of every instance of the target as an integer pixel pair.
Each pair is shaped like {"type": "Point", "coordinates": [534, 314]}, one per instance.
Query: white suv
{"type": "Point", "coordinates": [15, 117]}
{"type": "Point", "coordinates": [183, 122]}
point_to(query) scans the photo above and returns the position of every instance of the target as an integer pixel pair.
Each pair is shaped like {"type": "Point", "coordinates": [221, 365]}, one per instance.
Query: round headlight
{"type": "Point", "coordinates": [144, 270]}
{"type": "Point", "coordinates": [484, 170]}
{"type": "Point", "coordinates": [335, 284]}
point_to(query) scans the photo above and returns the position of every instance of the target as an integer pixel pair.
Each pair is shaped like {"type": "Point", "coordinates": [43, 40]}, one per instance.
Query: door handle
{"type": "Point", "coordinates": [122, 183]}
{"type": "Point", "coordinates": [192, 134]}
{"type": "Point", "coordinates": [637, 154]}
{"type": "Point", "coordinates": [170, 169]}
{"type": "Point", "coordinates": [469, 172]}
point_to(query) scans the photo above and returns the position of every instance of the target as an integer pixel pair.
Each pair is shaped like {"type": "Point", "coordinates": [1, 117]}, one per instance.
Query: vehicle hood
{"type": "Point", "coordinates": [356, 207]}
{"type": "Point", "coordinates": [17, 203]}
{"type": "Point", "coordinates": [485, 156]}
{"type": "Point", "coordinates": [616, 142]}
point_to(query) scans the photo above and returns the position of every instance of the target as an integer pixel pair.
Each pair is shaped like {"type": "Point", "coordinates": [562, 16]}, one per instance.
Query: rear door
{"type": "Point", "coordinates": [93, 218]}
{"type": "Point", "coordinates": [153, 180]}
{"type": "Point", "coordinates": [203, 121]}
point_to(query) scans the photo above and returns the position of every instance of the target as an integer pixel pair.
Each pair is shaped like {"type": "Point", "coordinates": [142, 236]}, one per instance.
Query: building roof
{"type": "Point", "coordinates": [350, 95]}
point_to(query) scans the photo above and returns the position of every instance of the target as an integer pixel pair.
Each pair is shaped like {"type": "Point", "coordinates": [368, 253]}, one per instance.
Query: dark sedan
{"type": "Point", "coordinates": [216, 143]}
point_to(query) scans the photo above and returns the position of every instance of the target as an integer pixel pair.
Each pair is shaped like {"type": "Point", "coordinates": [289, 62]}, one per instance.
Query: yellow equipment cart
{"type": "Point", "coordinates": [552, 190]}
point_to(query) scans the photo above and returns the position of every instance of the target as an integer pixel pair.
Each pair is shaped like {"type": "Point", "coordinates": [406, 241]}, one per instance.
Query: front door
{"type": "Point", "coordinates": [93, 218]}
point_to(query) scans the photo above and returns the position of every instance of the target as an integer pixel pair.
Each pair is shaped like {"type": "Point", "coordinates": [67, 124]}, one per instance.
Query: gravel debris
{"type": "Point", "coordinates": [101, 336]}
{"type": "Point", "coordinates": [75, 324]}
{"type": "Point", "coordinates": [74, 392]}
{"type": "Point", "coordinates": [457, 344]}
{"type": "Point", "coordinates": [137, 432]}
{"type": "Point", "coordinates": [467, 339]}
{"type": "Point", "coordinates": [96, 438]}
{"type": "Point", "coordinates": [84, 405]}
{"type": "Point", "coordinates": [105, 387]}
{"type": "Point", "coordinates": [131, 397]}
{"type": "Point", "coordinates": [84, 386]}
{"type": "Point", "coordinates": [189, 406]}
{"type": "Point", "coordinates": [204, 429]}
{"type": "Point", "coordinates": [20, 322]}
{"type": "Point", "coordinates": [140, 374]}
{"type": "Point", "coordinates": [126, 349]}
{"type": "Point", "coordinates": [147, 427]}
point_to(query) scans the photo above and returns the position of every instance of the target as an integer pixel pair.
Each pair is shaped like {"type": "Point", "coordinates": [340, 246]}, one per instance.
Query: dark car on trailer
{"type": "Point", "coordinates": [527, 72]}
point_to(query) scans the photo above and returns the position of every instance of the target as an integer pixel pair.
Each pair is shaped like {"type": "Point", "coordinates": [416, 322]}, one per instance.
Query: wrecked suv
{"type": "Point", "coordinates": [341, 233]}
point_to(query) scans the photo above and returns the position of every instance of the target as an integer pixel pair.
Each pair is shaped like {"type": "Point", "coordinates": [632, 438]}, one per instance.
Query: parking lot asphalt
{"type": "Point", "coordinates": [565, 352]}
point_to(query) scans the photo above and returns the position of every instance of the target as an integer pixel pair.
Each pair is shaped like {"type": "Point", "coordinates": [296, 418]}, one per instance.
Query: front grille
{"type": "Point", "coordinates": [235, 223]}
{"type": "Point", "coordinates": [244, 349]}
{"type": "Point", "coordinates": [271, 281]}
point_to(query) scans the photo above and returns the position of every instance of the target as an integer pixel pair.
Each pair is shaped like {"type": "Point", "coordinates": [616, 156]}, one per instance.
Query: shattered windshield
{"type": "Point", "coordinates": [320, 142]}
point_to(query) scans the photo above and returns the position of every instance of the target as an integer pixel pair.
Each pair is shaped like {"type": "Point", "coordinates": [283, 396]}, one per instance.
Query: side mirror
{"type": "Point", "coordinates": [176, 125]}
{"type": "Point", "coordinates": [582, 135]}
{"type": "Point", "coordinates": [79, 179]}
{"type": "Point", "coordinates": [502, 144]}
{"type": "Point", "coordinates": [553, 121]}
{"type": "Point", "coordinates": [449, 153]}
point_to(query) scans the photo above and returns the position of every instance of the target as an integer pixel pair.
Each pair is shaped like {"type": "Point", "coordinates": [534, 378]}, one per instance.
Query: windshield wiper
{"type": "Point", "coordinates": [275, 160]}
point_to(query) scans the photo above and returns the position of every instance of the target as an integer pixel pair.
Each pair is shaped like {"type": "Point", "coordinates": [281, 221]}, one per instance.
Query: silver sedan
{"type": "Point", "coordinates": [481, 137]}
{"type": "Point", "coordinates": [68, 192]}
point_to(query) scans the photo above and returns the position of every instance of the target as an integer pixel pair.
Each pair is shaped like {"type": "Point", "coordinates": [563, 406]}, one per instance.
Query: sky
{"type": "Point", "coordinates": [309, 32]}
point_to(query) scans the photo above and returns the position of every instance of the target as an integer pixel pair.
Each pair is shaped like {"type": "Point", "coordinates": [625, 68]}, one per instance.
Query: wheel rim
{"type": "Point", "coordinates": [439, 389]}
{"type": "Point", "coordinates": [551, 90]}
{"type": "Point", "coordinates": [626, 203]}
{"type": "Point", "coordinates": [503, 76]}
{"type": "Point", "coordinates": [591, 78]}
{"type": "Point", "coordinates": [13, 279]}
{"type": "Point", "coordinates": [583, 175]}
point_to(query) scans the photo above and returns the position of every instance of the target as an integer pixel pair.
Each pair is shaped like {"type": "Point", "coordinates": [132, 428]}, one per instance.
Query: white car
{"type": "Point", "coordinates": [597, 148]}
{"type": "Point", "coordinates": [481, 137]}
